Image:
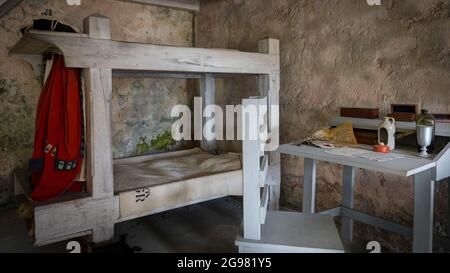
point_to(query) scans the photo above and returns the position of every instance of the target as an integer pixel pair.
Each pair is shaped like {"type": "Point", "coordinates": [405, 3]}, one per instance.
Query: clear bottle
{"type": "Point", "coordinates": [425, 118]}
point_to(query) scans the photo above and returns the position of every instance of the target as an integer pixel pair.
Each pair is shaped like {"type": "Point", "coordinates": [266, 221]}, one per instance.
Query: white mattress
{"type": "Point", "coordinates": [157, 183]}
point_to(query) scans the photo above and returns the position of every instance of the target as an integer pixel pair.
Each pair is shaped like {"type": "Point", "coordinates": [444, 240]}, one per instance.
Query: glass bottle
{"type": "Point", "coordinates": [425, 118]}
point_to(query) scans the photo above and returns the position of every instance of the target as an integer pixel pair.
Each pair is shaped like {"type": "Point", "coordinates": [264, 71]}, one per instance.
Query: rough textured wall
{"type": "Point", "coordinates": [343, 53]}
{"type": "Point", "coordinates": [136, 114]}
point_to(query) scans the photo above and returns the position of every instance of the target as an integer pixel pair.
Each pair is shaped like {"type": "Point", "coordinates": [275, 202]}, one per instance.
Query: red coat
{"type": "Point", "coordinates": [58, 151]}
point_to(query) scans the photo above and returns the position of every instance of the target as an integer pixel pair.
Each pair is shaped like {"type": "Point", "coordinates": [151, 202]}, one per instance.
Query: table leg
{"type": "Point", "coordinates": [347, 201]}
{"type": "Point", "coordinates": [423, 212]}
{"type": "Point", "coordinates": [309, 185]}
{"type": "Point", "coordinates": [448, 208]}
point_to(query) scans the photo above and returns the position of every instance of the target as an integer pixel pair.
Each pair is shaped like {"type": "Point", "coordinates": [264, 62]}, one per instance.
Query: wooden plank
{"type": "Point", "coordinates": [151, 74]}
{"type": "Point", "coordinates": [448, 207]}
{"type": "Point", "coordinates": [251, 165]}
{"type": "Point", "coordinates": [442, 129]}
{"type": "Point", "coordinates": [263, 121]}
{"type": "Point", "coordinates": [295, 232]}
{"type": "Point", "coordinates": [72, 217]}
{"type": "Point", "coordinates": [309, 186]}
{"type": "Point", "coordinates": [62, 238]}
{"type": "Point", "coordinates": [274, 179]}
{"type": "Point", "coordinates": [7, 6]}
{"type": "Point", "coordinates": [98, 103]}
{"type": "Point", "coordinates": [99, 147]}
{"type": "Point", "coordinates": [85, 52]}
{"type": "Point", "coordinates": [333, 212]}
{"type": "Point", "coordinates": [208, 94]}
{"type": "Point", "coordinates": [423, 212]}
{"type": "Point", "coordinates": [405, 167]}
{"type": "Point", "coordinates": [171, 195]}
{"type": "Point", "coordinates": [269, 86]}
{"type": "Point", "coordinates": [369, 220]}
{"type": "Point", "coordinates": [442, 162]}
{"type": "Point", "coordinates": [97, 26]}
{"type": "Point", "coordinates": [189, 5]}
{"type": "Point", "coordinates": [347, 201]}
{"type": "Point", "coordinates": [377, 222]}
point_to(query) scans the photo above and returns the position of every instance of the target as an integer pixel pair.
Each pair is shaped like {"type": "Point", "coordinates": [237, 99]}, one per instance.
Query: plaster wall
{"type": "Point", "coordinates": [338, 53]}
{"type": "Point", "coordinates": [141, 107]}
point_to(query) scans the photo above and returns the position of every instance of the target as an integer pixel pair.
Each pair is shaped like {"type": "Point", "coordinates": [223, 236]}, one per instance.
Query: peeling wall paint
{"type": "Point", "coordinates": [141, 111]}
{"type": "Point", "coordinates": [141, 107]}
{"type": "Point", "coordinates": [342, 53]}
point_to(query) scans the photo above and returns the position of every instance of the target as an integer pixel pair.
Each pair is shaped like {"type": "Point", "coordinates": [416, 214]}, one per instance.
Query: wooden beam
{"type": "Point", "coordinates": [348, 201]}
{"type": "Point", "coordinates": [190, 5]}
{"type": "Point", "coordinates": [98, 82]}
{"type": "Point", "coordinates": [7, 6]}
{"type": "Point", "coordinates": [68, 219]}
{"type": "Point", "coordinates": [162, 74]}
{"type": "Point", "coordinates": [251, 173]}
{"type": "Point", "coordinates": [85, 52]}
{"type": "Point", "coordinates": [309, 186]}
{"type": "Point", "coordinates": [208, 94]}
{"type": "Point", "coordinates": [153, 74]}
{"type": "Point", "coordinates": [98, 27]}
{"type": "Point", "coordinates": [269, 86]}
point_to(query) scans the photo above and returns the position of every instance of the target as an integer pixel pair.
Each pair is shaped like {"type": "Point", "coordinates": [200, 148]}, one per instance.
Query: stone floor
{"type": "Point", "coordinates": [207, 227]}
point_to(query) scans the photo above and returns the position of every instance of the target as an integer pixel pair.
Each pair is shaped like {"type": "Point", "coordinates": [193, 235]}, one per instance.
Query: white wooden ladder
{"type": "Point", "coordinates": [274, 231]}
{"type": "Point", "coordinates": [255, 165]}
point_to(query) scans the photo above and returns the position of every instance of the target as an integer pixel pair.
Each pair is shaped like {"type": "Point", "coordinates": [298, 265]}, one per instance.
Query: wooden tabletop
{"type": "Point", "coordinates": [405, 166]}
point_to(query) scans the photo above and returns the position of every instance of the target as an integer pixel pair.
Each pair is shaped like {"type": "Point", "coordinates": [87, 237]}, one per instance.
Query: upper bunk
{"type": "Point", "coordinates": [125, 58]}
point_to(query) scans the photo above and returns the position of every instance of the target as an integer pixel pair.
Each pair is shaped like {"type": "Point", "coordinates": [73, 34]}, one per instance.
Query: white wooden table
{"type": "Point", "coordinates": [424, 171]}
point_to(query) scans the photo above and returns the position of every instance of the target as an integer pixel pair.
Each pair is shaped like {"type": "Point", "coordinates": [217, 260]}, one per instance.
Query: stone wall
{"type": "Point", "coordinates": [342, 53]}
{"type": "Point", "coordinates": [141, 108]}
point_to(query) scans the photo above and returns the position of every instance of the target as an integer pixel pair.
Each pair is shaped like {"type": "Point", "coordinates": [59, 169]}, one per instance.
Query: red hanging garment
{"type": "Point", "coordinates": [58, 144]}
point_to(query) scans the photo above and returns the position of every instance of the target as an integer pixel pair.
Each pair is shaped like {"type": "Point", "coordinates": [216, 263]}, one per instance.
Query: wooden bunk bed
{"type": "Point", "coordinates": [114, 192]}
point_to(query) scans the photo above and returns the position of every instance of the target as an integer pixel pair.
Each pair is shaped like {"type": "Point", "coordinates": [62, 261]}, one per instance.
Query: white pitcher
{"type": "Point", "coordinates": [386, 132]}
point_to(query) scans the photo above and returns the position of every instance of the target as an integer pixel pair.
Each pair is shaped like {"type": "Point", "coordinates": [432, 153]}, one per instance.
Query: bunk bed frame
{"type": "Point", "coordinates": [96, 212]}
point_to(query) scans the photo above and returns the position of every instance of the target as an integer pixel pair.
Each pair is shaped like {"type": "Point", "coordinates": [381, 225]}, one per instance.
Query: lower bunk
{"type": "Point", "coordinates": [152, 184]}
{"type": "Point", "coordinates": [143, 186]}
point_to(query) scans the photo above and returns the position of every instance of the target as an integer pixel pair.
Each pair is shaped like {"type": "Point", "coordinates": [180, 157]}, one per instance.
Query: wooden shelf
{"type": "Point", "coordinates": [293, 232]}
{"type": "Point", "coordinates": [30, 44]}
{"type": "Point", "coordinates": [82, 51]}
{"type": "Point", "coordinates": [442, 129]}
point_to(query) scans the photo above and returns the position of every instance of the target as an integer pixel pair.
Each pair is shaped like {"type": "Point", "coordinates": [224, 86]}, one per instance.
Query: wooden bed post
{"type": "Point", "coordinates": [208, 94]}
{"type": "Point", "coordinates": [98, 88]}
{"type": "Point", "coordinates": [251, 153]}
{"type": "Point", "coordinates": [269, 86]}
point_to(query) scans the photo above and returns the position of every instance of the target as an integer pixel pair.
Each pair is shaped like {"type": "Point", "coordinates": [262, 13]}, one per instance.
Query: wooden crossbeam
{"type": "Point", "coordinates": [190, 5]}
{"type": "Point", "coordinates": [7, 5]}
{"type": "Point", "coordinates": [81, 51]}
